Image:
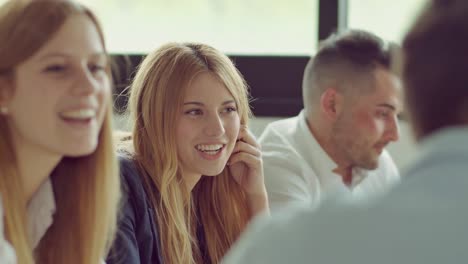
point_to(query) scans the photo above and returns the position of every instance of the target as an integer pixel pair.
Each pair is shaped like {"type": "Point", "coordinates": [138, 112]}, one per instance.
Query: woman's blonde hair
{"type": "Point", "coordinates": [86, 188]}
{"type": "Point", "coordinates": [217, 204]}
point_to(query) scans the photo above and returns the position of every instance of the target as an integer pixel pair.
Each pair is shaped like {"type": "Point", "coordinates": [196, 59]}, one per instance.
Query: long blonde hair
{"type": "Point", "coordinates": [86, 188]}
{"type": "Point", "coordinates": [217, 204]}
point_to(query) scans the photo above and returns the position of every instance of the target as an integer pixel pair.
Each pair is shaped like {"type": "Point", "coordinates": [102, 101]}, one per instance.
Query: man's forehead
{"type": "Point", "coordinates": [387, 82]}
{"type": "Point", "coordinates": [386, 95]}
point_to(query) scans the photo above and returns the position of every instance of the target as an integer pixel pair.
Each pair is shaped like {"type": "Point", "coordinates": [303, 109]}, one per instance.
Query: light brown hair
{"type": "Point", "coordinates": [86, 188]}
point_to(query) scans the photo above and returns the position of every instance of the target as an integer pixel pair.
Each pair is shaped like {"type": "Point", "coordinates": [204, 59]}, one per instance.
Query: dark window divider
{"type": "Point", "coordinates": [275, 82]}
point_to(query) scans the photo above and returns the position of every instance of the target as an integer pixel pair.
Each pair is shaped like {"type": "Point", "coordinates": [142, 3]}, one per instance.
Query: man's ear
{"type": "Point", "coordinates": [331, 103]}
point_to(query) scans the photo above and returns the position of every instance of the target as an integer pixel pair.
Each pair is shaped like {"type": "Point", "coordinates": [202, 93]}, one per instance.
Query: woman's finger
{"type": "Point", "coordinates": [246, 136]}
{"type": "Point", "coordinates": [245, 147]}
{"type": "Point", "coordinates": [249, 159]}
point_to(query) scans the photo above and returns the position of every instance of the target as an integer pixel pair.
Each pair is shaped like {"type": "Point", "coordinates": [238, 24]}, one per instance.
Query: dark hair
{"type": "Point", "coordinates": [435, 67]}
{"type": "Point", "coordinates": [351, 54]}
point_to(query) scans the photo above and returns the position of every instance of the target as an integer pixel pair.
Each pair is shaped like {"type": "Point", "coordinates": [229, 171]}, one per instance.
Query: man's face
{"type": "Point", "coordinates": [368, 122]}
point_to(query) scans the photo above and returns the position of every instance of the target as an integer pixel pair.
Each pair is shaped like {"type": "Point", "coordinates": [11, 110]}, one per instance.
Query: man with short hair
{"type": "Point", "coordinates": [424, 220]}
{"type": "Point", "coordinates": [334, 150]}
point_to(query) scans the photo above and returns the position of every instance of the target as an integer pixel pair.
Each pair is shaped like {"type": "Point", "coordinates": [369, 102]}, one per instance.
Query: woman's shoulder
{"type": "Point", "coordinates": [132, 181]}
{"type": "Point", "coordinates": [127, 166]}
{"type": "Point", "coordinates": [133, 185]}
{"type": "Point", "coordinates": [137, 240]}
{"type": "Point", "coordinates": [135, 202]}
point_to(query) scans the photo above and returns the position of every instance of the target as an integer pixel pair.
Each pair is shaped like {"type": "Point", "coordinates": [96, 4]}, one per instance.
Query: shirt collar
{"type": "Point", "coordinates": [41, 209]}
{"type": "Point", "coordinates": [314, 154]}
{"type": "Point", "coordinates": [319, 159]}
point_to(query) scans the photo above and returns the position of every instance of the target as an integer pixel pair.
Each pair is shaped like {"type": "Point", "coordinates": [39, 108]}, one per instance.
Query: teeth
{"type": "Point", "coordinates": [79, 114]}
{"type": "Point", "coordinates": [210, 148]}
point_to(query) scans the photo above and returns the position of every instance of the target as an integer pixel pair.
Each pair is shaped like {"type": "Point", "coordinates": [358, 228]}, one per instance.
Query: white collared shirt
{"type": "Point", "coordinates": [7, 254]}
{"type": "Point", "coordinates": [41, 209]}
{"type": "Point", "coordinates": [298, 170]}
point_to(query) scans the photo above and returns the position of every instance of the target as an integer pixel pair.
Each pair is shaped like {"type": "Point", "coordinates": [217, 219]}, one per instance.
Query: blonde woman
{"type": "Point", "coordinates": [58, 176]}
{"type": "Point", "coordinates": [194, 178]}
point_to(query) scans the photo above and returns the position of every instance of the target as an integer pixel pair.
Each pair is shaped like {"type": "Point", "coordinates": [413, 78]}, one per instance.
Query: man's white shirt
{"type": "Point", "coordinates": [298, 170]}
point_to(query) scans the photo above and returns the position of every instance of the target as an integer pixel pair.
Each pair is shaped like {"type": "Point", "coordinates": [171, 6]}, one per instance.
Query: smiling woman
{"type": "Point", "coordinates": [66, 86]}
{"type": "Point", "coordinates": [207, 129]}
{"type": "Point", "coordinates": [58, 177]}
{"type": "Point", "coordinates": [189, 106]}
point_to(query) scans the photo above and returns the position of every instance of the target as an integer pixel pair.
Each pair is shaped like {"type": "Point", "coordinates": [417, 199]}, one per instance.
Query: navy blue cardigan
{"type": "Point", "coordinates": [137, 240]}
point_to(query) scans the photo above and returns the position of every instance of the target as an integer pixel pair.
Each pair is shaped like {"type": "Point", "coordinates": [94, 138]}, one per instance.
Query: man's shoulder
{"type": "Point", "coordinates": [279, 130]}
{"type": "Point", "coordinates": [282, 156]}
{"type": "Point", "coordinates": [302, 235]}
{"type": "Point", "coordinates": [261, 245]}
{"type": "Point", "coordinates": [278, 139]}
{"type": "Point", "coordinates": [280, 148]}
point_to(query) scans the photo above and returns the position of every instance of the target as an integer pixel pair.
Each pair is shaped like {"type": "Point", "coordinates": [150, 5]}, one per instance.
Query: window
{"type": "Point", "coordinates": [243, 27]}
{"type": "Point", "coordinates": [388, 19]}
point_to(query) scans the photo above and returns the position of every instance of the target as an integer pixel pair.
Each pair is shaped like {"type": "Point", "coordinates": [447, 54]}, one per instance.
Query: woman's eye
{"type": "Point", "coordinates": [383, 114]}
{"type": "Point", "coordinates": [55, 68]}
{"type": "Point", "coordinates": [230, 109]}
{"type": "Point", "coordinates": [96, 68]}
{"type": "Point", "coordinates": [194, 112]}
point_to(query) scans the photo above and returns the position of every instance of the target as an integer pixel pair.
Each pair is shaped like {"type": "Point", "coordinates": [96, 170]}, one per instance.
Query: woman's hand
{"type": "Point", "coordinates": [246, 166]}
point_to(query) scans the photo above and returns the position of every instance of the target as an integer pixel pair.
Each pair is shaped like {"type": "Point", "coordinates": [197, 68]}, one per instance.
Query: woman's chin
{"type": "Point", "coordinates": [214, 171]}
{"type": "Point", "coordinates": [80, 151]}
